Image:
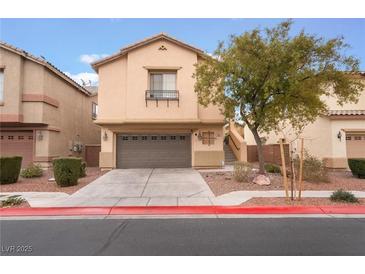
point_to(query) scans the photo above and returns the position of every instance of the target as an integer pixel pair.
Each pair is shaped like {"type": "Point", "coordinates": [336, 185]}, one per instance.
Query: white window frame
{"type": "Point", "coordinates": [94, 110]}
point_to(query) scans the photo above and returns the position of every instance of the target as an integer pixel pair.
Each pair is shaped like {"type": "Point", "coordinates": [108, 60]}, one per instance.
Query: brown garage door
{"type": "Point", "coordinates": [150, 151]}
{"type": "Point", "coordinates": [17, 143]}
{"type": "Point", "coordinates": [355, 145]}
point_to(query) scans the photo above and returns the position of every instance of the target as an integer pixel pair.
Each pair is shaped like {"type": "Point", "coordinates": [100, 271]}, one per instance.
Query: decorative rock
{"type": "Point", "coordinates": [262, 180]}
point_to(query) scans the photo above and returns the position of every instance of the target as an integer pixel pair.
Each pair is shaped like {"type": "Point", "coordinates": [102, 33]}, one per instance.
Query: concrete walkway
{"type": "Point", "coordinates": [141, 187]}
{"type": "Point", "coordinates": [151, 187]}
{"type": "Point", "coordinates": [49, 199]}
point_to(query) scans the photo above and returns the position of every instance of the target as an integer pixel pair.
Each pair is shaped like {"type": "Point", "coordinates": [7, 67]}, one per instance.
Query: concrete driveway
{"type": "Point", "coordinates": [140, 187]}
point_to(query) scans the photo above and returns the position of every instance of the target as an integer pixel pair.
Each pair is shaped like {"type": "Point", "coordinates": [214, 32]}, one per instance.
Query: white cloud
{"type": "Point", "coordinates": [90, 58]}
{"type": "Point", "coordinates": [87, 77]}
{"type": "Point", "coordinates": [213, 55]}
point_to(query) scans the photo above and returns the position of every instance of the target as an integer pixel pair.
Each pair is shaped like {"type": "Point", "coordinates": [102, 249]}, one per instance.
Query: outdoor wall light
{"type": "Point", "coordinates": [40, 135]}
{"type": "Point", "coordinates": [339, 135]}
{"type": "Point", "coordinates": [105, 136]}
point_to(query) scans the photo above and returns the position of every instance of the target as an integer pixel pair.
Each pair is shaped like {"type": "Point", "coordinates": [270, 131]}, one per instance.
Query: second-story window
{"type": "Point", "coordinates": [94, 110]}
{"type": "Point", "coordinates": [163, 84]}
{"type": "Point", "coordinates": [1, 85]}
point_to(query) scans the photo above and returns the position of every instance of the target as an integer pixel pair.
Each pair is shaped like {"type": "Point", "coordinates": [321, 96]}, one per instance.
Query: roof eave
{"type": "Point", "coordinates": [44, 63]}
{"type": "Point", "coordinates": [95, 65]}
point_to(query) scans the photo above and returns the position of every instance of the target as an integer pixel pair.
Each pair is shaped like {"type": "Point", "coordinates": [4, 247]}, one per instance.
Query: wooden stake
{"type": "Point", "coordinates": [292, 178]}
{"type": "Point", "coordinates": [283, 167]}
{"type": "Point", "coordinates": [301, 168]}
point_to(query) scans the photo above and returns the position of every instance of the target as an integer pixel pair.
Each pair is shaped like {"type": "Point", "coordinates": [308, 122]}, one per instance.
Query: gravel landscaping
{"type": "Point", "coordinates": [223, 182]}
{"type": "Point", "coordinates": [263, 201]}
{"type": "Point", "coordinates": [41, 184]}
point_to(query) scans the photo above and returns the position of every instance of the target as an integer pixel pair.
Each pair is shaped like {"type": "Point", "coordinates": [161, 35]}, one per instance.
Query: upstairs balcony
{"type": "Point", "coordinates": [162, 95]}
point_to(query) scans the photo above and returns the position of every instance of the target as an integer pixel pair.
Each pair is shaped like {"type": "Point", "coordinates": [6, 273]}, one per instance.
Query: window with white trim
{"type": "Point", "coordinates": [163, 84]}
{"type": "Point", "coordinates": [94, 110]}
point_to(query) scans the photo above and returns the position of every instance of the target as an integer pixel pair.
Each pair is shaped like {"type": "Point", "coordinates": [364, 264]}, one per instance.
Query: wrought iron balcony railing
{"type": "Point", "coordinates": [166, 95]}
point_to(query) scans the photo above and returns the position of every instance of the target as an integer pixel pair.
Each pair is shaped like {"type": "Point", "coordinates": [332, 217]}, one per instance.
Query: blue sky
{"type": "Point", "coordinates": [71, 43]}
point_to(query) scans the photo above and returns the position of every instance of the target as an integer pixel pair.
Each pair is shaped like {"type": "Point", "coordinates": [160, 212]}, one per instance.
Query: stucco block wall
{"type": "Point", "coordinates": [204, 155]}
{"type": "Point", "coordinates": [123, 82]}
{"type": "Point", "coordinates": [332, 103]}
{"type": "Point", "coordinates": [113, 84]}
{"type": "Point", "coordinates": [12, 65]}
{"type": "Point", "coordinates": [321, 136]}
{"type": "Point", "coordinates": [67, 119]}
{"type": "Point", "coordinates": [138, 82]}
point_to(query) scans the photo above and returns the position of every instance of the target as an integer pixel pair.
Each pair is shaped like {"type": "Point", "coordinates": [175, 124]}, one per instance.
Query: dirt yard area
{"type": "Point", "coordinates": [41, 184]}
{"type": "Point", "coordinates": [263, 201]}
{"type": "Point", "coordinates": [223, 182]}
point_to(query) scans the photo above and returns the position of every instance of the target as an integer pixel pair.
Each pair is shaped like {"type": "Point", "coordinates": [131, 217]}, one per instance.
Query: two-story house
{"type": "Point", "coordinates": [148, 111]}
{"type": "Point", "coordinates": [334, 137]}
{"type": "Point", "coordinates": [44, 113]}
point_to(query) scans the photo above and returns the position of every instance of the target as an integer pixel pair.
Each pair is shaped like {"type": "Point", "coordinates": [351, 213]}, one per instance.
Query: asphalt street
{"type": "Point", "coordinates": [238, 236]}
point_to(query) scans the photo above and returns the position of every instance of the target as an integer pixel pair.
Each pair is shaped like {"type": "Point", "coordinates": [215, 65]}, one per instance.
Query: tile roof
{"type": "Point", "coordinates": [45, 63]}
{"type": "Point", "coordinates": [92, 89]}
{"type": "Point", "coordinates": [345, 112]}
{"type": "Point", "coordinates": [143, 42]}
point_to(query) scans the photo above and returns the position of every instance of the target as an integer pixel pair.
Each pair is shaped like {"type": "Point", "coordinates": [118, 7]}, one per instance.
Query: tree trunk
{"type": "Point", "coordinates": [259, 150]}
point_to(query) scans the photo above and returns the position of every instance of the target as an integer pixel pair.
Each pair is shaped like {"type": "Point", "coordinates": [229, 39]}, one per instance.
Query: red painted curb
{"type": "Point", "coordinates": [54, 211]}
{"type": "Point", "coordinates": [178, 210]}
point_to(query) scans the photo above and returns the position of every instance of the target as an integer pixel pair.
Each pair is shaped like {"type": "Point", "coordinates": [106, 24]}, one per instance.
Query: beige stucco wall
{"type": "Point", "coordinates": [12, 65]}
{"type": "Point", "coordinates": [332, 103]}
{"type": "Point", "coordinates": [60, 123]}
{"type": "Point", "coordinates": [127, 79]}
{"type": "Point", "coordinates": [321, 136]}
{"type": "Point", "coordinates": [72, 117]}
{"type": "Point", "coordinates": [122, 86]}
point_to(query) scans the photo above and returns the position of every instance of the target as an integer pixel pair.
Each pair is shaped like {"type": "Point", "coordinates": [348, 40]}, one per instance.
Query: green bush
{"type": "Point", "coordinates": [357, 167]}
{"type": "Point", "coordinates": [66, 171]}
{"type": "Point", "coordinates": [271, 168]}
{"type": "Point", "coordinates": [10, 169]}
{"type": "Point", "coordinates": [343, 196]}
{"type": "Point", "coordinates": [32, 171]}
{"type": "Point", "coordinates": [242, 172]}
{"type": "Point", "coordinates": [12, 201]}
{"type": "Point", "coordinates": [83, 169]}
{"type": "Point", "coordinates": [314, 170]}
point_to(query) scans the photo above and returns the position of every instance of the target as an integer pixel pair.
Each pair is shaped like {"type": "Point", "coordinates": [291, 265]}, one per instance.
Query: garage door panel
{"type": "Point", "coordinates": [355, 145]}
{"type": "Point", "coordinates": [149, 151]}
{"type": "Point", "coordinates": [17, 143]}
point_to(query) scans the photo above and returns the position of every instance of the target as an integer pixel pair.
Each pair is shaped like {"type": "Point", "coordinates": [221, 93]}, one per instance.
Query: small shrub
{"type": "Point", "coordinates": [314, 170]}
{"type": "Point", "coordinates": [357, 167]}
{"type": "Point", "coordinates": [66, 171]}
{"type": "Point", "coordinates": [10, 169]}
{"type": "Point", "coordinates": [343, 196]}
{"type": "Point", "coordinates": [83, 169]}
{"type": "Point", "coordinates": [271, 168]}
{"type": "Point", "coordinates": [32, 171]}
{"type": "Point", "coordinates": [242, 172]}
{"type": "Point", "coordinates": [12, 201]}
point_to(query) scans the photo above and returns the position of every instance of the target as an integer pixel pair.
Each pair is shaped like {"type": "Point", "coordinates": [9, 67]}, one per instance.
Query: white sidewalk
{"type": "Point", "coordinates": [49, 199]}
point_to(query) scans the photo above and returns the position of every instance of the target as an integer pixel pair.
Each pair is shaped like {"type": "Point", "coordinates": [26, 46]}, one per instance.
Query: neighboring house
{"type": "Point", "coordinates": [149, 112]}
{"type": "Point", "coordinates": [43, 112]}
{"type": "Point", "coordinates": [334, 137]}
